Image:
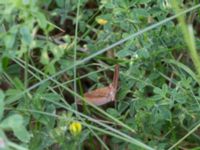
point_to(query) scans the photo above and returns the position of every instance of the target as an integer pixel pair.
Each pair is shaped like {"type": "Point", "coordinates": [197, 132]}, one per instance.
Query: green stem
{"type": "Point", "coordinates": [189, 38]}
{"type": "Point", "coordinates": [75, 47]}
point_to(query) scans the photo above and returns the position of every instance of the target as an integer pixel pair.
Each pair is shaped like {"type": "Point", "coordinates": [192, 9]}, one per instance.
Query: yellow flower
{"type": "Point", "coordinates": [75, 128]}
{"type": "Point", "coordinates": [101, 21]}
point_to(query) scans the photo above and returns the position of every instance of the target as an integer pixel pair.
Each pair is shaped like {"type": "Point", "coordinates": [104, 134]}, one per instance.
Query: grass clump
{"type": "Point", "coordinates": [54, 51]}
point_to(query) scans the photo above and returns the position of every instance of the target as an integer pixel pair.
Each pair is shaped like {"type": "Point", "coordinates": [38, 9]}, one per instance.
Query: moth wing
{"type": "Point", "coordinates": [100, 92]}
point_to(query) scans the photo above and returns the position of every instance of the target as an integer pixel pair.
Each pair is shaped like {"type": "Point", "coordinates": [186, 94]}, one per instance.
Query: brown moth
{"type": "Point", "coordinates": [106, 94]}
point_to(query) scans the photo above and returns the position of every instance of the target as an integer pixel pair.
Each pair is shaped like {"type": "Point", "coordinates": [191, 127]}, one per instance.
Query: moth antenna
{"type": "Point", "coordinates": [116, 77]}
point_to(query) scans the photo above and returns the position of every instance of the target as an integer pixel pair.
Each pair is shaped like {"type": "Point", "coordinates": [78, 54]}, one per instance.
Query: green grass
{"type": "Point", "coordinates": [54, 51]}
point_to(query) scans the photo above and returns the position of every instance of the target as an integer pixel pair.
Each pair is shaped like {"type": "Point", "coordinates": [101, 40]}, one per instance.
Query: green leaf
{"type": "Point", "coordinates": [113, 112]}
{"type": "Point", "coordinates": [125, 84]}
{"type": "Point", "coordinates": [44, 59]}
{"type": "Point", "coordinates": [17, 3]}
{"type": "Point", "coordinates": [162, 92]}
{"type": "Point", "coordinates": [122, 106]}
{"type": "Point", "coordinates": [26, 35]}
{"type": "Point", "coordinates": [161, 113]}
{"type": "Point", "coordinates": [179, 97]}
{"type": "Point", "coordinates": [1, 68]}
{"type": "Point", "coordinates": [60, 3]}
{"type": "Point", "coordinates": [22, 134]}
{"type": "Point", "coordinates": [184, 67]}
{"type": "Point", "coordinates": [18, 84]}
{"type": "Point", "coordinates": [42, 21]}
{"type": "Point", "coordinates": [143, 53]}
{"type": "Point", "coordinates": [50, 68]}
{"type": "Point", "coordinates": [26, 2]}
{"type": "Point", "coordinates": [13, 95]}
{"type": "Point", "coordinates": [142, 1]}
{"type": "Point", "coordinates": [15, 123]}
{"type": "Point", "coordinates": [125, 52]}
{"type": "Point", "coordinates": [2, 96]}
{"type": "Point", "coordinates": [139, 13]}
{"type": "Point", "coordinates": [5, 62]}
{"type": "Point", "coordinates": [52, 96]}
{"type": "Point", "coordinates": [166, 114]}
{"type": "Point", "coordinates": [42, 88]}
{"type": "Point", "coordinates": [57, 52]}
{"type": "Point", "coordinates": [12, 122]}
{"type": "Point", "coordinates": [9, 40]}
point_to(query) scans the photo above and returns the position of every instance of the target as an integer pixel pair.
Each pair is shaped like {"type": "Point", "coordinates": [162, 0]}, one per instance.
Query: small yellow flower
{"type": "Point", "coordinates": [101, 21]}
{"type": "Point", "coordinates": [75, 128]}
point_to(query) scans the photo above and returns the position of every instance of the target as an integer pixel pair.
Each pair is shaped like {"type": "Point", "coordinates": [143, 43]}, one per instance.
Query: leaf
{"type": "Point", "coordinates": [139, 12]}
{"type": "Point", "coordinates": [13, 95]}
{"type": "Point", "coordinates": [165, 113]}
{"type": "Point", "coordinates": [161, 113]}
{"type": "Point", "coordinates": [57, 52]}
{"type": "Point", "coordinates": [42, 88]}
{"type": "Point", "coordinates": [5, 62]}
{"type": "Point", "coordinates": [125, 52]}
{"type": "Point", "coordinates": [44, 59]}
{"type": "Point", "coordinates": [51, 120]}
{"type": "Point", "coordinates": [184, 67]}
{"type": "Point", "coordinates": [50, 68]}
{"type": "Point", "coordinates": [162, 92]}
{"type": "Point", "coordinates": [60, 3]}
{"type": "Point", "coordinates": [125, 86]}
{"type": "Point", "coordinates": [26, 35]}
{"type": "Point", "coordinates": [12, 122]}
{"type": "Point", "coordinates": [15, 123]}
{"type": "Point", "coordinates": [113, 112]}
{"type": "Point", "coordinates": [26, 2]}
{"type": "Point", "coordinates": [2, 96]}
{"type": "Point", "coordinates": [66, 63]}
{"type": "Point", "coordinates": [18, 83]}
{"type": "Point", "coordinates": [22, 134]}
{"type": "Point", "coordinates": [17, 3]}
{"type": "Point", "coordinates": [52, 96]}
{"type": "Point", "coordinates": [1, 68]}
{"type": "Point", "coordinates": [179, 97]}
{"type": "Point", "coordinates": [9, 40]}
{"type": "Point", "coordinates": [42, 21]}
{"type": "Point", "coordinates": [143, 53]}
{"type": "Point", "coordinates": [122, 106]}
{"type": "Point", "coordinates": [142, 1]}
